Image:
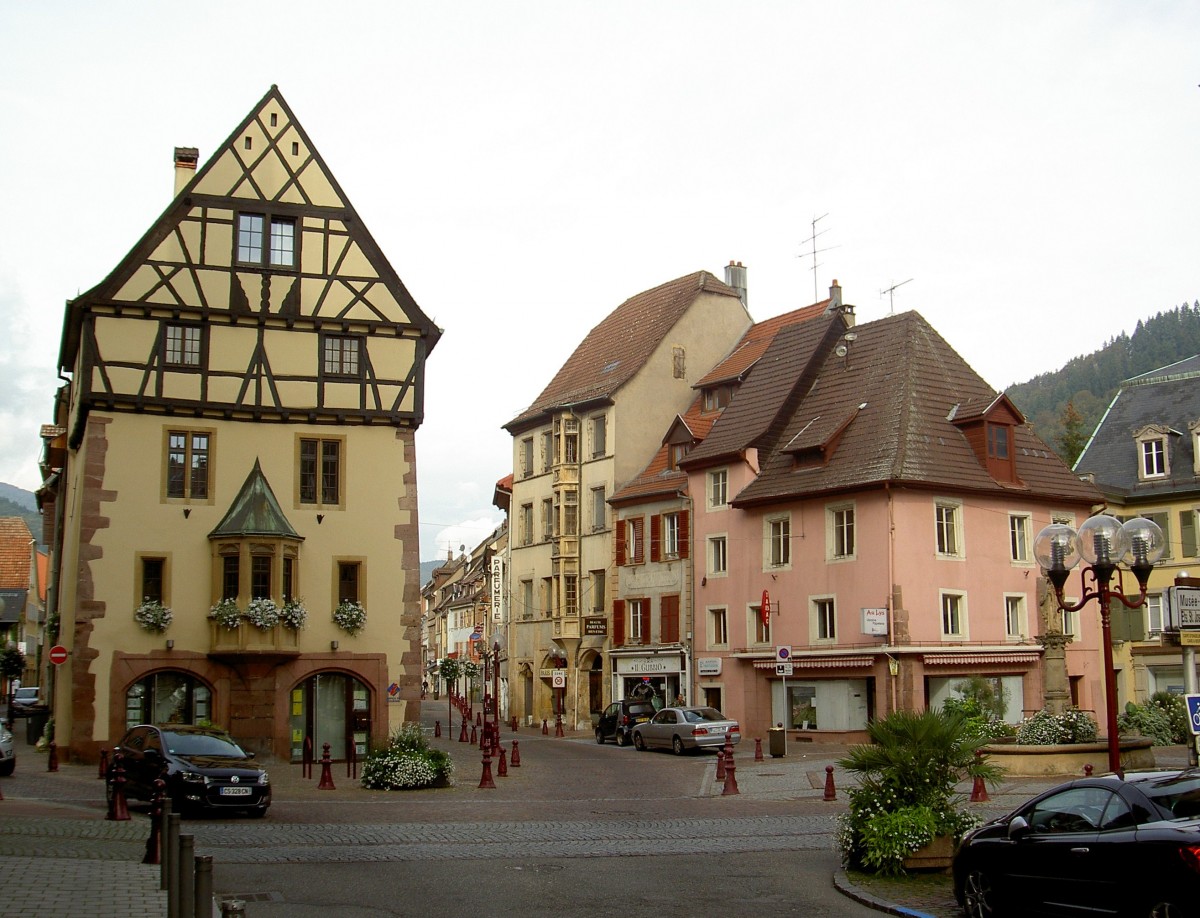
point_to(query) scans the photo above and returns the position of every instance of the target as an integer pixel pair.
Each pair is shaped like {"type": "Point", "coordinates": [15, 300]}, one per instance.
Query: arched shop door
{"type": "Point", "coordinates": [331, 708]}
{"type": "Point", "coordinates": [168, 697]}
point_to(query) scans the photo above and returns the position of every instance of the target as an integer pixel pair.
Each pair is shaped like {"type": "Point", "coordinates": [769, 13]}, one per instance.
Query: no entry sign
{"type": "Point", "coordinates": [58, 654]}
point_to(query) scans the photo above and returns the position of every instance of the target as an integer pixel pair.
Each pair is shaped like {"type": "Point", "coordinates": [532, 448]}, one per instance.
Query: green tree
{"type": "Point", "coordinates": [449, 669]}
{"type": "Point", "coordinates": [1074, 435]}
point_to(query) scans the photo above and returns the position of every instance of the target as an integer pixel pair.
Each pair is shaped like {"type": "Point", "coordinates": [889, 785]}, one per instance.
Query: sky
{"type": "Point", "coordinates": [1026, 172]}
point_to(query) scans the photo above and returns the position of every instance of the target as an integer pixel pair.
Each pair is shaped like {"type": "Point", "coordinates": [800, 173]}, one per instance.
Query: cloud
{"type": "Point", "coordinates": [462, 536]}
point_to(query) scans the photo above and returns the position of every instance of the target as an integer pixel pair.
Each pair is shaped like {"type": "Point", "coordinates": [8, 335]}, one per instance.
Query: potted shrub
{"type": "Point", "coordinates": [905, 799]}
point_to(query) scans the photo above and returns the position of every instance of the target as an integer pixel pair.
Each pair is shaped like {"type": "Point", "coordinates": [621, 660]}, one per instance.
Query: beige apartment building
{"type": "Point", "coordinates": [237, 435]}
{"type": "Point", "coordinates": [595, 426]}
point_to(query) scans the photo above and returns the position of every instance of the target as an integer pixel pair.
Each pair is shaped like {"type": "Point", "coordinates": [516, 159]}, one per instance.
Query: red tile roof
{"type": "Point", "coordinates": [755, 343]}
{"type": "Point", "coordinates": [15, 548]}
{"type": "Point", "coordinates": [620, 345]}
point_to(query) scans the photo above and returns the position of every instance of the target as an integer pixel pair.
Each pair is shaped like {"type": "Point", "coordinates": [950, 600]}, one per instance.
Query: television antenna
{"type": "Point", "coordinates": [891, 292]}
{"type": "Point", "coordinates": [815, 251]}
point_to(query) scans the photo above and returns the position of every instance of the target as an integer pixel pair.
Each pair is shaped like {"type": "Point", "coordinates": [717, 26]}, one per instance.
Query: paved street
{"type": "Point", "coordinates": [580, 825]}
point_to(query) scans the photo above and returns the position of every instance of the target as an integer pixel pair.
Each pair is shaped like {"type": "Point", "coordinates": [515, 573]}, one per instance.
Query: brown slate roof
{"type": "Point", "coordinates": [755, 343]}
{"type": "Point", "coordinates": [620, 345]}
{"type": "Point", "coordinates": [14, 553]}
{"type": "Point", "coordinates": [882, 412]}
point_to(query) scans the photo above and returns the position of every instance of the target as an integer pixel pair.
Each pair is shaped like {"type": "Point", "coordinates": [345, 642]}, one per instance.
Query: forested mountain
{"type": "Point", "coordinates": [1090, 382]}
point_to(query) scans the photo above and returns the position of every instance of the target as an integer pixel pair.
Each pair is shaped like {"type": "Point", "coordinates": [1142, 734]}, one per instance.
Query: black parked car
{"type": "Point", "coordinates": [204, 767]}
{"type": "Point", "coordinates": [619, 718]}
{"type": "Point", "coordinates": [1095, 846]}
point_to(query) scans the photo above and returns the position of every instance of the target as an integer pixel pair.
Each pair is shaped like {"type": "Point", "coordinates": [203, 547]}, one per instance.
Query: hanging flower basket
{"type": "Point", "coordinates": [350, 616]}
{"type": "Point", "coordinates": [153, 616]}
{"type": "Point", "coordinates": [263, 614]}
{"type": "Point", "coordinates": [293, 614]}
{"type": "Point", "coordinates": [226, 614]}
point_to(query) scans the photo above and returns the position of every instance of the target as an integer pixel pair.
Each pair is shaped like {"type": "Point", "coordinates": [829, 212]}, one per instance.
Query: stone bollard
{"type": "Point", "coordinates": [545, 728]}
{"type": "Point", "coordinates": [52, 760]}
{"type": "Point", "coordinates": [118, 809]}
{"type": "Point", "coordinates": [103, 764]}
{"type": "Point", "coordinates": [326, 772]}
{"type": "Point", "coordinates": [485, 780]}
{"type": "Point", "coordinates": [979, 792]}
{"type": "Point", "coordinates": [516, 756]}
{"type": "Point", "coordinates": [730, 787]}
{"type": "Point", "coordinates": [758, 756]}
{"type": "Point", "coordinates": [437, 728]}
{"type": "Point", "coordinates": [502, 768]}
{"type": "Point", "coordinates": [830, 790]}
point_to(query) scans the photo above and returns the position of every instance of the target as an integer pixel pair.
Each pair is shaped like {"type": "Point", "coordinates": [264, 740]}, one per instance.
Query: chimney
{"type": "Point", "coordinates": [735, 277]}
{"type": "Point", "coordinates": [185, 166]}
{"type": "Point", "coordinates": [835, 304]}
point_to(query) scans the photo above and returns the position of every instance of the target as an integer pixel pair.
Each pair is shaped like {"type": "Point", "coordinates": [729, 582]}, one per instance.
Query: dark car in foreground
{"type": "Point", "coordinates": [8, 753]}
{"type": "Point", "coordinates": [1095, 846]}
{"type": "Point", "coordinates": [685, 730]}
{"type": "Point", "coordinates": [204, 769]}
{"type": "Point", "coordinates": [619, 718]}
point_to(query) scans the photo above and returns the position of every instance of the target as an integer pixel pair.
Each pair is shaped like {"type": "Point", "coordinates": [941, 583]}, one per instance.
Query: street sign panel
{"type": "Point", "coordinates": [1193, 711]}
{"type": "Point", "coordinates": [783, 653]}
{"type": "Point", "coordinates": [58, 654]}
{"type": "Point", "coordinates": [1188, 600]}
{"type": "Point", "coordinates": [559, 679]}
{"type": "Point", "coordinates": [783, 669]}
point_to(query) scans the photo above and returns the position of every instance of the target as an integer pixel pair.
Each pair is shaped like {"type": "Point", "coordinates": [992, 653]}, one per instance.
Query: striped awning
{"type": "Point", "coordinates": [974, 659]}
{"type": "Point", "coordinates": [819, 663]}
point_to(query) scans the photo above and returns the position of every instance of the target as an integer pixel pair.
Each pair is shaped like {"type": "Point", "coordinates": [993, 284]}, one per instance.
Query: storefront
{"type": "Point", "coordinates": [658, 676]}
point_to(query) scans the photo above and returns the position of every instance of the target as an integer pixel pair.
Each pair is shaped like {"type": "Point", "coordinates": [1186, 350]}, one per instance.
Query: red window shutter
{"type": "Point", "coordinates": [618, 629]}
{"type": "Point", "coordinates": [655, 537]}
{"type": "Point", "coordinates": [620, 542]}
{"type": "Point", "coordinates": [645, 610]}
{"type": "Point", "coordinates": [639, 540]}
{"type": "Point", "coordinates": [669, 617]}
{"type": "Point", "coordinates": [683, 536]}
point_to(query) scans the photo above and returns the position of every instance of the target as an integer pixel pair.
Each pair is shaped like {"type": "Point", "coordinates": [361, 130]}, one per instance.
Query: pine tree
{"type": "Point", "coordinates": [1074, 436]}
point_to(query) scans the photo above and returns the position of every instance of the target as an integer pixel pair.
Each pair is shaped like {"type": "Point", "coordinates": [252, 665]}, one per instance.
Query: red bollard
{"type": "Point", "coordinates": [1087, 770]}
{"type": "Point", "coordinates": [516, 756]}
{"type": "Point", "coordinates": [830, 790]}
{"type": "Point", "coordinates": [979, 792]}
{"type": "Point", "coordinates": [485, 780]}
{"type": "Point", "coordinates": [474, 735]}
{"type": "Point", "coordinates": [502, 768]}
{"type": "Point", "coordinates": [558, 727]}
{"type": "Point", "coordinates": [154, 842]}
{"type": "Point", "coordinates": [462, 735]}
{"type": "Point", "coordinates": [514, 724]}
{"type": "Point", "coordinates": [437, 728]}
{"type": "Point", "coordinates": [118, 809]}
{"type": "Point", "coordinates": [478, 719]}
{"type": "Point", "coordinates": [721, 764]}
{"type": "Point", "coordinates": [103, 764]}
{"type": "Point", "coordinates": [730, 787]}
{"type": "Point", "coordinates": [326, 771]}
{"type": "Point", "coordinates": [545, 728]}
{"type": "Point", "coordinates": [52, 761]}
{"type": "Point", "coordinates": [758, 756]}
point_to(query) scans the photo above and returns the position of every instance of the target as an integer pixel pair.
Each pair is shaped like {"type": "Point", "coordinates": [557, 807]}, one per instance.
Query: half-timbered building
{"type": "Point", "coordinates": [237, 437]}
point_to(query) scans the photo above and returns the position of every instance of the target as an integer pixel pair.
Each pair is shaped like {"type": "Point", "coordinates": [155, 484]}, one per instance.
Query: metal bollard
{"type": "Point", "coordinates": [164, 844]}
{"type": "Point", "coordinates": [154, 841]}
{"type": "Point", "coordinates": [172, 861]}
{"type": "Point", "coordinates": [516, 756]}
{"type": "Point", "coordinates": [502, 768]}
{"type": "Point", "coordinates": [204, 886]}
{"type": "Point", "coordinates": [103, 764]}
{"type": "Point", "coordinates": [830, 790]}
{"type": "Point", "coordinates": [730, 787]}
{"type": "Point", "coordinates": [118, 809]}
{"type": "Point", "coordinates": [187, 876]}
{"type": "Point", "coordinates": [437, 728]}
{"type": "Point", "coordinates": [758, 756]}
{"type": "Point", "coordinates": [485, 780]}
{"type": "Point", "coordinates": [52, 761]}
{"type": "Point", "coordinates": [326, 782]}
{"type": "Point", "coordinates": [721, 764]}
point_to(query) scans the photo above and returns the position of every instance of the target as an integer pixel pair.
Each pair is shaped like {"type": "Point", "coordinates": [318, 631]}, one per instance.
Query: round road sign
{"type": "Point", "coordinates": [58, 654]}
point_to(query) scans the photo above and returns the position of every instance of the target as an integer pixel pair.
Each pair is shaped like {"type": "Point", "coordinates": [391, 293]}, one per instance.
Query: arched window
{"type": "Point", "coordinates": [331, 708]}
{"type": "Point", "coordinates": [168, 697]}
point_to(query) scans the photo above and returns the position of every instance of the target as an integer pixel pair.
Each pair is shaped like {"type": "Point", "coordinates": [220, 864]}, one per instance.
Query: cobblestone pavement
{"type": "Point", "coordinates": [60, 856]}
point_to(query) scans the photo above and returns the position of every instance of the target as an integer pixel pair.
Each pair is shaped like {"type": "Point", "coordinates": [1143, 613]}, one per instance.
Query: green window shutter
{"type": "Point", "coordinates": [1187, 532]}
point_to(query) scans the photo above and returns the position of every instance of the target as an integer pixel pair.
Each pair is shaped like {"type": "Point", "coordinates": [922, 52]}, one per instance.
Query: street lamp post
{"type": "Point", "coordinates": [1103, 542]}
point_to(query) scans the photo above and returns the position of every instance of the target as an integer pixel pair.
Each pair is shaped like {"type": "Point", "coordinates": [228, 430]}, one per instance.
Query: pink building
{"type": "Point", "coordinates": [884, 499]}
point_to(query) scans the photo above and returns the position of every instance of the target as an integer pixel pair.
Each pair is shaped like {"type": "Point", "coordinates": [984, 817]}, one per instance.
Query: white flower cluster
{"type": "Point", "coordinates": [293, 614]}
{"type": "Point", "coordinates": [153, 616]}
{"type": "Point", "coordinates": [398, 770]}
{"type": "Point", "coordinates": [350, 616]}
{"type": "Point", "coordinates": [262, 614]}
{"type": "Point", "coordinates": [226, 614]}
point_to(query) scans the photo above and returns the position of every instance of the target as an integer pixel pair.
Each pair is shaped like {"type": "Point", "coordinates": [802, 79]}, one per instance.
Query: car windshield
{"type": "Point", "coordinates": [202, 744]}
{"type": "Point", "coordinates": [1180, 795]}
{"type": "Point", "coordinates": [699, 715]}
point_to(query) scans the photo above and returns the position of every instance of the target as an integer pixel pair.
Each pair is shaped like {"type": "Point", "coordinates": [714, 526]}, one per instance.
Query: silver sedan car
{"type": "Point", "coordinates": [684, 729]}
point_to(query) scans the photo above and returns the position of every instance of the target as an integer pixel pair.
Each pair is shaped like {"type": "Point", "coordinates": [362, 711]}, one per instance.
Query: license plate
{"type": "Point", "coordinates": [642, 720]}
{"type": "Point", "coordinates": [236, 791]}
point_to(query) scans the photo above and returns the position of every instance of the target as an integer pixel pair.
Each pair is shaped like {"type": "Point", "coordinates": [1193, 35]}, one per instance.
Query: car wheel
{"type": "Point", "coordinates": [979, 896]}
{"type": "Point", "coordinates": [622, 739]}
{"type": "Point", "coordinates": [600, 737]}
{"type": "Point", "coordinates": [8, 767]}
{"type": "Point", "coordinates": [1165, 910]}
{"type": "Point", "coordinates": [638, 743]}
{"type": "Point", "coordinates": [677, 746]}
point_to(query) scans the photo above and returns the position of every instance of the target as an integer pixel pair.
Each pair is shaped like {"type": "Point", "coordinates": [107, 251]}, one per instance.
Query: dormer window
{"type": "Point", "coordinates": [717, 398]}
{"type": "Point", "coordinates": [998, 439]}
{"type": "Point", "coordinates": [1153, 452]}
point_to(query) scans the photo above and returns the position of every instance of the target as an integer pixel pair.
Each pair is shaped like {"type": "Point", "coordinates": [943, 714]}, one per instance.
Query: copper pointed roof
{"type": "Point", "coordinates": [255, 512]}
{"type": "Point", "coordinates": [617, 348]}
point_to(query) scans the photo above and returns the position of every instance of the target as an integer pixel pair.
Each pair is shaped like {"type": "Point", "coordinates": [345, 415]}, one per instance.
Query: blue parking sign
{"type": "Point", "coordinates": [1193, 710]}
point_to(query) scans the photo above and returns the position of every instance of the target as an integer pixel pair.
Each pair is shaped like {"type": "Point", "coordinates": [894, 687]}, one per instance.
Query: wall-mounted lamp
{"type": "Point", "coordinates": [170, 644]}
{"type": "Point", "coordinates": [333, 645]}
{"type": "Point", "coordinates": [187, 511]}
{"type": "Point", "coordinates": [320, 517]}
